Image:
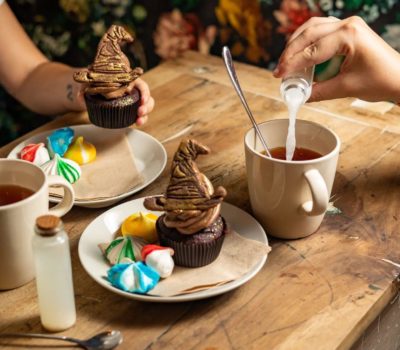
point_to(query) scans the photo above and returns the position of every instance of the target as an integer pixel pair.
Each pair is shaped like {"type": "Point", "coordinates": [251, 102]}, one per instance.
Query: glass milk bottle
{"type": "Point", "coordinates": [300, 81]}
{"type": "Point", "coordinates": [53, 274]}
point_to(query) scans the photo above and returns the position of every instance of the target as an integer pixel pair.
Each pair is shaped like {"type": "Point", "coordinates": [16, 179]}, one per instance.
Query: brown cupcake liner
{"type": "Point", "coordinates": [194, 254]}
{"type": "Point", "coordinates": [111, 115]}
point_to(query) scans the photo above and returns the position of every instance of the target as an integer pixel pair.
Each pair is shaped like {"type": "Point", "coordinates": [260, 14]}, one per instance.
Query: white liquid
{"type": "Point", "coordinates": [54, 281]}
{"type": "Point", "coordinates": [294, 97]}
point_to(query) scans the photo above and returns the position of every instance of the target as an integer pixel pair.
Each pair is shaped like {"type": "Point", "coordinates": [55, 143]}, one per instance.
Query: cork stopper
{"type": "Point", "coordinates": [48, 225]}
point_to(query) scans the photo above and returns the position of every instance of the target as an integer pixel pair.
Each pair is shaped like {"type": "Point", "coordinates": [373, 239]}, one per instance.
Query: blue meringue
{"type": "Point", "coordinates": [133, 277]}
{"type": "Point", "coordinates": [59, 141]}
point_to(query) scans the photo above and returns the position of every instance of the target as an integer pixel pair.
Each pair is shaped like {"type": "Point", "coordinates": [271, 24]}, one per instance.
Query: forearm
{"type": "Point", "coordinates": [50, 89]}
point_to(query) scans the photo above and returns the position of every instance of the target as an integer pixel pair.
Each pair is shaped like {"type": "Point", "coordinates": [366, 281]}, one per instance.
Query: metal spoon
{"type": "Point", "coordinates": [102, 341]}
{"type": "Point", "coordinates": [226, 54]}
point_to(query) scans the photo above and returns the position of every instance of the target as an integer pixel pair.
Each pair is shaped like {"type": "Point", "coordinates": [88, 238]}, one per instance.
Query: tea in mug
{"type": "Point", "coordinates": [299, 153]}
{"type": "Point", "coordinates": [10, 194]}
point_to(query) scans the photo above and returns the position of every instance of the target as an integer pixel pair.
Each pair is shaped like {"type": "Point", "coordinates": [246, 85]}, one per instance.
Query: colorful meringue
{"type": "Point", "coordinates": [123, 248]}
{"type": "Point", "coordinates": [133, 277]}
{"type": "Point", "coordinates": [59, 141]}
{"type": "Point", "coordinates": [81, 151]}
{"type": "Point", "coordinates": [35, 153]}
{"type": "Point", "coordinates": [67, 168]}
{"type": "Point", "coordinates": [141, 225]}
{"type": "Point", "coordinates": [159, 258]}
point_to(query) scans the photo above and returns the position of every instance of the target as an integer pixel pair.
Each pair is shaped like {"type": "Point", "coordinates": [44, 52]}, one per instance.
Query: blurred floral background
{"type": "Point", "coordinates": [255, 30]}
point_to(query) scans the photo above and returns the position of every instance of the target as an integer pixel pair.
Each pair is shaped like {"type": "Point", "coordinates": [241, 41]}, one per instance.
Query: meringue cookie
{"type": "Point", "coordinates": [67, 168]}
{"type": "Point", "coordinates": [59, 141]}
{"type": "Point", "coordinates": [133, 277]}
{"type": "Point", "coordinates": [123, 248]}
{"type": "Point", "coordinates": [81, 151]}
{"type": "Point", "coordinates": [159, 258]}
{"type": "Point", "coordinates": [35, 153]}
{"type": "Point", "coordinates": [141, 225]}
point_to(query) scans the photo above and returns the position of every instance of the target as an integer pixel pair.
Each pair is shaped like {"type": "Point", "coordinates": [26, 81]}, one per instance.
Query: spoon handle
{"type": "Point", "coordinates": [226, 54]}
{"type": "Point", "coordinates": [43, 336]}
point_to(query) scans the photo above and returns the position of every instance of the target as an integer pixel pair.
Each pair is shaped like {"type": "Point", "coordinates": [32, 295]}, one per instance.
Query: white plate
{"type": "Point", "coordinates": [102, 230]}
{"type": "Point", "coordinates": [150, 157]}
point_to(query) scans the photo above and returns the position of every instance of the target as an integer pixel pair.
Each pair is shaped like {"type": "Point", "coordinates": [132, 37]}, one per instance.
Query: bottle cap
{"type": "Point", "coordinates": [48, 225]}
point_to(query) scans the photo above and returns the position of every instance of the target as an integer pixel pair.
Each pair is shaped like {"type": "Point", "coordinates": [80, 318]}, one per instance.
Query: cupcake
{"type": "Point", "coordinates": [109, 101]}
{"type": "Point", "coordinates": [191, 225]}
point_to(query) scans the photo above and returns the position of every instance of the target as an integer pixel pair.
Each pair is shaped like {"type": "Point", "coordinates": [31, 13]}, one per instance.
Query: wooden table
{"type": "Point", "coordinates": [321, 292]}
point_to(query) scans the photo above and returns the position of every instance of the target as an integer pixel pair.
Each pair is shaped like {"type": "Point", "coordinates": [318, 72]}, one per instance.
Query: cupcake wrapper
{"type": "Point", "coordinates": [112, 116]}
{"type": "Point", "coordinates": [194, 255]}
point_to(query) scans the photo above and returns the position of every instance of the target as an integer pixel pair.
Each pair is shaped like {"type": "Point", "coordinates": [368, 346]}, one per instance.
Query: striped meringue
{"type": "Point", "coordinates": [59, 140]}
{"type": "Point", "coordinates": [66, 168]}
{"type": "Point", "coordinates": [35, 153]}
{"type": "Point", "coordinates": [133, 277]}
{"type": "Point", "coordinates": [81, 151]}
{"type": "Point", "coordinates": [159, 258]}
{"type": "Point", "coordinates": [123, 248]}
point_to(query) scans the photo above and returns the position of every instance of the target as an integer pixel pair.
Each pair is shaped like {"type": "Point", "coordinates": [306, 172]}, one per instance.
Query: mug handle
{"type": "Point", "coordinates": [67, 201]}
{"type": "Point", "coordinates": [319, 193]}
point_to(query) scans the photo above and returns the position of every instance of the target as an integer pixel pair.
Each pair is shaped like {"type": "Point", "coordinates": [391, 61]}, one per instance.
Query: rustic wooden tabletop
{"type": "Point", "coordinates": [321, 292]}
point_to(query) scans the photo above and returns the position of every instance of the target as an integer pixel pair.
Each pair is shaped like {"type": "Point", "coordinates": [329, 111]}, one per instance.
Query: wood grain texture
{"type": "Point", "coordinates": [320, 292]}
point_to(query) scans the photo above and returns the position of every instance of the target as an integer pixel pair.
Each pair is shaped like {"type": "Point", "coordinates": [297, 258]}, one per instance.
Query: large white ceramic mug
{"type": "Point", "coordinates": [290, 198]}
{"type": "Point", "coordinates": [17, 219]}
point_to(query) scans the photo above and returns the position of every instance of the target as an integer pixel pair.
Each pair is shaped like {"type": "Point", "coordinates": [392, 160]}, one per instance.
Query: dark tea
{"type": "Point", "coordinates": [299, 153]}
{"type": "Point", "coordinates": [12, 193]}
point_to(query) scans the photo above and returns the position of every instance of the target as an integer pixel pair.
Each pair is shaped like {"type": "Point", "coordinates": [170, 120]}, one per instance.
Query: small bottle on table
{"type": "Point", "coordinates": [53, 274]}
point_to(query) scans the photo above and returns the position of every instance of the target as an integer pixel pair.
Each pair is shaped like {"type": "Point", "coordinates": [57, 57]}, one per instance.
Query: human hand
{"type": "Point", "coordinates": [146, 101]}
{"type": "Point", "coordinates": [370, 70]}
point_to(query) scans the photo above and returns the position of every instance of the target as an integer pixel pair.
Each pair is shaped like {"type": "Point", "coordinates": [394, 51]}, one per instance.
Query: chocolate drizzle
{"type": "Point", "coordinates": [110, 74]}
{"type": "Point", "coordinates": [190, 202]}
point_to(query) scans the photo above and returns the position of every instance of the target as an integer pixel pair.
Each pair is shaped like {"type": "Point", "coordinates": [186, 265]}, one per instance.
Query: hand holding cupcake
{"type": "Point", "coordinates": [114, 96]}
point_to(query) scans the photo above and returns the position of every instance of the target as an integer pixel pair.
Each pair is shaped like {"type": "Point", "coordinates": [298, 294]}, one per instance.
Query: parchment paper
{"type": "Point", "coordinates": [112, 173]}
{"type": "Point", "coordinates": [238, 256]}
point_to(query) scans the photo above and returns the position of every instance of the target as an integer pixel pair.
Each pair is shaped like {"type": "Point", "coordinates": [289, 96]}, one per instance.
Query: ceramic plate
{"type": "Point", "coordinates": [102, 230]}
{"type": "Point", "coordinates": [150, 158]}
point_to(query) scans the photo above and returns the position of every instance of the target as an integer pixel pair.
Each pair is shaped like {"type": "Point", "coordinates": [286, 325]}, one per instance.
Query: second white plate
{"type": "Point", "coordinates": [150, 157]}
{"type": "Point", "coordinates": [103, 228]}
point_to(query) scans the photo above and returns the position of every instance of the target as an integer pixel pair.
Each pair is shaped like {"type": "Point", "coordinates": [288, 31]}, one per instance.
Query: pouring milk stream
{"type": "Point", "coordinates": [295, 91]}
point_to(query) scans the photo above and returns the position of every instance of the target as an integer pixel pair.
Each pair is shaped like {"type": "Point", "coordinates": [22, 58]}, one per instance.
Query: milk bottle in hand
{"type": "Point", "coordinates": [295, 91]}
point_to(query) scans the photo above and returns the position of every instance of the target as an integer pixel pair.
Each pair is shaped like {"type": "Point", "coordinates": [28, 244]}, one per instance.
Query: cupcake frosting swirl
{"type": "Point", "coordinates": [190, 202]}
{"type": "Point", "coordinates": [110, 74]}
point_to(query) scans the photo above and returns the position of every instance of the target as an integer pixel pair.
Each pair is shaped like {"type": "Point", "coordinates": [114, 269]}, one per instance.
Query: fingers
{"type": "Point", "coordinates": [143, 88]}
{"type": "Point", "coordinates": [146, 101]}
{"type": "Point", "coordinates": [141, 120]}
{"type": "Point", "coordinates": [147, 108]}
{"type": "Point", "coordinates": [313, 21]}
{"type": "Point", "coordinates": [308, 37]}
{"type": "Point", "coordinates": [336, 87]}
{"type": "Point", "coordinates": [333, 44]}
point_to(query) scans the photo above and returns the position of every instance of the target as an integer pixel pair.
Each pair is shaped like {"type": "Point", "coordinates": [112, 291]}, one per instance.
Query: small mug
{"type": "Point", "coordinates": [17, 219]}
{"type": "Point", "coordinates": [290, 198]}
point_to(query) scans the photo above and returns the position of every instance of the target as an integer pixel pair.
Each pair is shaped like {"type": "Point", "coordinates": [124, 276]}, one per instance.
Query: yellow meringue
{"type": "Point", "coordinates": [140, 225]}
{"type": "Point", "coordinates": [81, 151]}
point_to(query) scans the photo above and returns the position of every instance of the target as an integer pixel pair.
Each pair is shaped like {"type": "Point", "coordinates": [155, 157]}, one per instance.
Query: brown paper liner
{"type": "Point", "coordinates": [194, 254]}
{"type": "Point", "coordinates": [113, 114]}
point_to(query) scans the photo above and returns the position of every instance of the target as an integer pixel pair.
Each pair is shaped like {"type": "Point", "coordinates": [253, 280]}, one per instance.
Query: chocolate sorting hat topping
{"type": "Point", "coordinates": [190, 201]}
{"type": "Point", "coordinates": [111, 71]}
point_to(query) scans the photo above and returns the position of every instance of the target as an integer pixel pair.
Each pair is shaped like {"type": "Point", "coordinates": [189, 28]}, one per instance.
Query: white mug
{"type": "Point", "coordinates": [290, 198]}
{"type": "Point", "coordinates": [17, 219]}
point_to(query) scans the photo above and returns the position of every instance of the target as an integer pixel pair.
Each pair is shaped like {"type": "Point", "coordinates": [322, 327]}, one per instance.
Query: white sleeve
{"type": "Point", "coordinates": [1, 1]}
